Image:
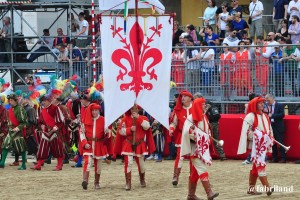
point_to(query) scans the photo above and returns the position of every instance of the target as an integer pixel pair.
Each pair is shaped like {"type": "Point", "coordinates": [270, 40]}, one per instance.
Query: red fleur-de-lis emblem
{"type": "Point", "coordinates": [137, 53]}
{"type": "Point", "coordinates": [260, 144]}
{"type": "Point", "coordinates": [203, 145]}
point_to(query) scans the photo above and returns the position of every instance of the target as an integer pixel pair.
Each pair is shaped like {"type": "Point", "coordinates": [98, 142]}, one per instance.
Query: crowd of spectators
{"type": "Point", "coordinates": [252, 58]}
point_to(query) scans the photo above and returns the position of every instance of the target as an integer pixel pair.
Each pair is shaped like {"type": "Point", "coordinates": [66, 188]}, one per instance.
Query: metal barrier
{"type": "Point", "coordinates": [226, 83]}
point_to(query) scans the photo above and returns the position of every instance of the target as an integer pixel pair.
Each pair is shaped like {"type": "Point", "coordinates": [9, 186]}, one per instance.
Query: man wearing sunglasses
{"type": "Point", "coordinates": [232, 41]}
{"type": "Point", "coordinates": [238, 10]}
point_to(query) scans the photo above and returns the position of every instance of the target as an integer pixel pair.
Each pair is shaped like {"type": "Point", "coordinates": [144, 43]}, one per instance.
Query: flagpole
{"type": "Point", "coordinates": [93, 42]}
{"type": "Point", "coordinates": [137, 21]}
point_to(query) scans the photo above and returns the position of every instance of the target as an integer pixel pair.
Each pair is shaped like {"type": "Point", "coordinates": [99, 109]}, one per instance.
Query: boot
{"type": "Point", "coordinates": [176, 176]}
{"type": "Point", "coordinates": [192, 191]}
{"type": "Point", "coordinates": [38, 165]}
{"type": "Point", "coordinates": [142, 180]}
{"type": "Point", "coordinates": [264, 181]}
{"type": "Point", "coordinates": [4, 155]}
{"type": "Point", "coordinates": [23, 166]}
{"type": "Point", "coordinates": [96, 183]}
{"type": "Point", "coordinates": [66, 159]}
{"type": "Point", "coordinates": [85, 180]}
{"type": "Point", "coordinates": [128, 181]}
{"type": "Point", "coordinates": [209, 192]}
{"type": "Point", "coordinates": [48, 161]}
{"type": "Point", "coordinates": [252, 183]}
{"type": "Point", "coordinates": [59, 164]}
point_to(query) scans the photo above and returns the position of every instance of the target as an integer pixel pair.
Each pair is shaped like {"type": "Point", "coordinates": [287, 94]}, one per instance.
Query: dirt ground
{"type": "Point", "coordinates": [229, 178]}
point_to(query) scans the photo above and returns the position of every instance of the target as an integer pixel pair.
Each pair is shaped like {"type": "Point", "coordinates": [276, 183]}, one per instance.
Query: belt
{"type": "Point", "coordinates": [137, 143]}
{"type": "Point", "coordinates": [94, 139]}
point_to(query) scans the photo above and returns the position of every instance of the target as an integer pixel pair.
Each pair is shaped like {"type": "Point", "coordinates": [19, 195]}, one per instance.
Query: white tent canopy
{"type": "Point", "coordinates": [110, 5]}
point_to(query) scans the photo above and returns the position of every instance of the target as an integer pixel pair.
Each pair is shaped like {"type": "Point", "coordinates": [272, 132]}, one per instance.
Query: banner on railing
{"type": "Point", "coordinates": [136, 58]}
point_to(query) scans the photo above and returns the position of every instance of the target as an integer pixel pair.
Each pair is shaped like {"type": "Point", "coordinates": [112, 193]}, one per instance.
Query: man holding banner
{"type": "Point", "coordinates": [257, 134]}
{"type": "Point", "coordinates": [195, 144]}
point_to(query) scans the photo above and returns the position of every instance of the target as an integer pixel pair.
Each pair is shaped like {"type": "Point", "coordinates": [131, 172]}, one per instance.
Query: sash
{"type": "Point", "coordinates": [15, 122]}
{"type": "Point", "coordinates": [48, 119]}
{"type": "Point", "coordinates": [261, 143]}
{"type": "Point", "coordinates": [202, 146]}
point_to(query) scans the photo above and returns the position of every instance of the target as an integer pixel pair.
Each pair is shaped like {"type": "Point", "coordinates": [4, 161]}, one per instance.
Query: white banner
{"type": "Point", "coordinates": [136, 72]}
{"type": "Point", "coordinates": [119, 5]}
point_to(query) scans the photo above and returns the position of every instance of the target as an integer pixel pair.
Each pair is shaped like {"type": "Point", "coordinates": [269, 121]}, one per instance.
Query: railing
{"type": "Point", "coordinates": [225, 83]}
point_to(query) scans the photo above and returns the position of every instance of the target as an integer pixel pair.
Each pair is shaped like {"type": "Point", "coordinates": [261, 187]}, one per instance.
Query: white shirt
{"type": "Point", "coordinates": [230, 44]}
{"type": "Point", "coordinates": [223, 16]}
{"type": "Point", "coordinates": [49, 42]}
{"type": "Point", "coordinates": [270, 50]}
{"type": "Point", "coordinates": [297, 54]}
{"type": "Point", "coordinates": [294, 12]}
{"type": "Point", "coordinates": [82, 24]}
{"type": "Point", "coordinates": [254, 11]}
{"type": "Point", "coordinates": [207, 63]}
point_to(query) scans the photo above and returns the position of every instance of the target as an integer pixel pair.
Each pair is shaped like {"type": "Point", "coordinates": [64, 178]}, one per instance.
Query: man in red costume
{"type": "Point", "coordinates": [93, 140]}
{"type": "Point", "coordinates": [181, 110]}
{"type": "Point", "coordinates": [195, 144]}
{"type": "Point", "coordinates": [50, 122]}
{"type": "Point", "coordinates": [130, 142]}
{"type": "Point", "coordinates": [256, 134]}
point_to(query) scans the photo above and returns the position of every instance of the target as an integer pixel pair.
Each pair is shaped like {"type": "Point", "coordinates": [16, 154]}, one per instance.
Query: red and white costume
{"type": "Point", "coordinates": [262, 67]}
{"type": "Point", "coordinates": [226, 68]}
{"type": "Point", "coordinates": [242, 75]}
{"type": "Point", "coordinates": [256, 120]}
{"type": "Point", "coordinates": [50, 122]}
{"type": "Point", "coordinates": [95, 136]}
{"type": "Point", "coordinates": [144, 144]}
{"type": "Point", "coordinates": [181, 113]}
{"type": "Point", "coordinates": [198, 150]}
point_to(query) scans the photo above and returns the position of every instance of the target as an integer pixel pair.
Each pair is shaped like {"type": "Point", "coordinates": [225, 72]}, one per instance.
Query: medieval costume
{"type": "Point", "coordinates": [16, 132]}
{"type": "Point", "coordinates": [195, 143]}
{"type": "Point", "coordinates": [93, 139]}
{"type": "Point", "coordinates": [31, 143]}
{"type": "Point", "coordinates": [3, 122]}
{"type": "Point", "coordinates": [131, 143]}
{"type": "Point", "coordinates": [65, 133]}
{"type": "Point", "coordinates": [50, 123]}
{"type": "Point", "coordinates": [181, 112]}
{"type": "Point", "coordinates": [257, 135]}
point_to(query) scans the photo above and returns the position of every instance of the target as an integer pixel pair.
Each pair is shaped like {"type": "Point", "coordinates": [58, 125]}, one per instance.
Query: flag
{"type": "Point", "coordinates": [136, 65]}
{"type": "Point", "coordinates": [261, 143]}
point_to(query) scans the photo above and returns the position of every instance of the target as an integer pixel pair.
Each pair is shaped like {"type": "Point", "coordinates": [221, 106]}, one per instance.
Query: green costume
{"type": "Point", "coordinates": [15, 139]}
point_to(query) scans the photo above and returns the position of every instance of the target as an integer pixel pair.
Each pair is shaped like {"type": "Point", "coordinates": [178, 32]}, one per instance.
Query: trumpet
{"type": "Point", "coordinates": [283, 146]}
{"type": "Point", "coordinates": [220, 143]}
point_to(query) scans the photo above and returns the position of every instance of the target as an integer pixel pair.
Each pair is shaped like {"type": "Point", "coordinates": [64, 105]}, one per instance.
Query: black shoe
{"type": "Point", "coordinates": [273, 161]}
{"type": "Point", "coordinates": [223, 158]}
{"type": "Point", "coordinates": [282, 161]}
{"type": "Point", "coordinates": [169, 158]}
{"type": "Point", "coordinates": [297, 162]}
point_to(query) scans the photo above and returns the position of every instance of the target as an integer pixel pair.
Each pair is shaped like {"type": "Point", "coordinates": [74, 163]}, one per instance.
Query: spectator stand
{"type": "Point", "coordinates": [20, 42]}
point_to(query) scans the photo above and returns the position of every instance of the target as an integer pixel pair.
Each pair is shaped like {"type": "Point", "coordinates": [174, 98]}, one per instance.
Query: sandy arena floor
{"type": "Point", "coordinates": [229, 178]}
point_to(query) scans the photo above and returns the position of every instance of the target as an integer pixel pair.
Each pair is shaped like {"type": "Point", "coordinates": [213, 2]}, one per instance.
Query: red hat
{"type": "Point", "coordinates": [252, 108]}
{"type": "Point", "coordinates": [178, 106]}
{"type": "Point", "coordinates": [88, 119]}
{"type": "Point", "coordinates": [197, 109]}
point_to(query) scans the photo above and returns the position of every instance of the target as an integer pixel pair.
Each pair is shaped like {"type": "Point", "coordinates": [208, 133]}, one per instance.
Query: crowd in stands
{"type": "Point", "coordinates": [227, 40]}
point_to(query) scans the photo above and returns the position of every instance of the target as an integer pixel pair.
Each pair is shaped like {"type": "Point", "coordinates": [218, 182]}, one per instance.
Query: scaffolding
{"type": "Point", "coordinates": [16, 59]}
